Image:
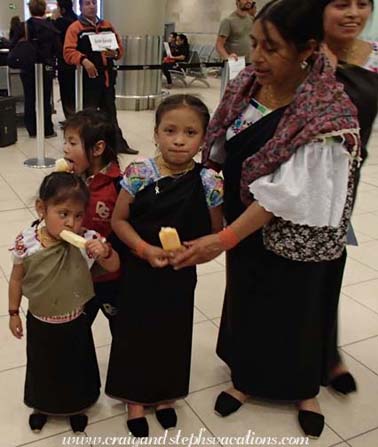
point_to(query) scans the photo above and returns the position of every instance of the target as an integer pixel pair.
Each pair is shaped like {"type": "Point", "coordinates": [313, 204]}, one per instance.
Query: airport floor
{"type": "Point", "coordinates": [350, 421]}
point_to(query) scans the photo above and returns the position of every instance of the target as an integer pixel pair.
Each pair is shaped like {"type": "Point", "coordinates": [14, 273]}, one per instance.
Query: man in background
{"type": "Point", "coordinates": [234, 33]}
{"type": "Point", "coordinates": [99, 76]}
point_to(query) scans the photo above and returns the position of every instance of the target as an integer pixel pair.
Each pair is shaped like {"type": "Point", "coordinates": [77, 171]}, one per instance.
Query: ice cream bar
{"type": "Point", "coordinates": [169, 239]}
{"type": "Point", "coordinates": [61, 165]}
{"type": "Point", "coordinates": [73, 238]}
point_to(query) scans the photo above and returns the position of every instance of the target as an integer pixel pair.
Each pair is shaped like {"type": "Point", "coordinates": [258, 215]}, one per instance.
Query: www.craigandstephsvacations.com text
{"type": "Point", "coordinates": [201, 438]}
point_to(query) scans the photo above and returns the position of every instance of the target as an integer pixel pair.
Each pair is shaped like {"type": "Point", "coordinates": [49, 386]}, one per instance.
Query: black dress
{"type": "Point", "coordinates": [152, 340]}
{"type": "Point", "coordinates": [361, 85]}
{"type": "Point", "coordinates": [278, 327]}
{"type": "Point", "coordinates": [62, 376]}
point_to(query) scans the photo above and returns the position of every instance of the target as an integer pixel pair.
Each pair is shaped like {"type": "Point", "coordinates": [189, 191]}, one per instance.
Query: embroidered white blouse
{"type": "Point", "coordinates": [309, 189]}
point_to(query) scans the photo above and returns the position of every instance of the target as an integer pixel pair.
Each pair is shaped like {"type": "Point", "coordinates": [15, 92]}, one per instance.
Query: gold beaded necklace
{"type": "Point", "coordinates": [45, 239]}
{"type": "Point", "coordinates": [349, 53]}
{"type": "Point", "coordinates": [166, 170]}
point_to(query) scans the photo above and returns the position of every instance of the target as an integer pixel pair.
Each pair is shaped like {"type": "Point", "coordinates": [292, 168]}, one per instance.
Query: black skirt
{"type": "Point", "coordinates": [279, 322]}
{"type": "Point", "coordinates": [151, 350]}
{"type": "Point", "coordinates": [62, 376]}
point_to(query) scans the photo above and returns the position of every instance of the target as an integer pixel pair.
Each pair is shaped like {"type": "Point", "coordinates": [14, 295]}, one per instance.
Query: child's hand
{"type": "Point", "coordinates": [15, 326]}
{"type": "Point", "coordinates": [156, 256]}
{"type": "Point", "coordinates": [96, 248]}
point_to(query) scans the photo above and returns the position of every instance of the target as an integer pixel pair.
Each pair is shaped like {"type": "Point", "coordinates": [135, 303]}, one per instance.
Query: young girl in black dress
{"type": "Point", "coordinates": [151, 351]}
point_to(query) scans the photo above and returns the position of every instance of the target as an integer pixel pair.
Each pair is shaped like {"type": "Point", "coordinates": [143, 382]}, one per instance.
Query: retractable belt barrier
{"type": "Point", "coordinates": [41, 161]}
{"type": "Point", "coordinates": [160, 66]}
{"type": "Point", "coordinates": [144, 67]}
{"type": "Point", "coordinates": [136, 67]}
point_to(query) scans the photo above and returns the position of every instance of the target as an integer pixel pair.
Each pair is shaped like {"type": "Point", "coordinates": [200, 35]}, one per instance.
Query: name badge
{"type": "Point", "coordinates": [103, 41]}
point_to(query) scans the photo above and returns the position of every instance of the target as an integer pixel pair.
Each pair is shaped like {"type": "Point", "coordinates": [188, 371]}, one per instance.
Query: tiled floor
{"type": "Point", "coordinates": [351, 421]}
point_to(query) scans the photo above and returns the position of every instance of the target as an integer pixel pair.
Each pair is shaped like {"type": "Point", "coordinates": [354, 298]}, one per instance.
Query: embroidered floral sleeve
{"type": "Point", "coordinates": [138, 175]}
{"type": "Point", "coordinates": [26, 244]}
{"type": "Point", "coordinates": [372, 62]}
{"type": "Point", "coordinates": [213, 187]}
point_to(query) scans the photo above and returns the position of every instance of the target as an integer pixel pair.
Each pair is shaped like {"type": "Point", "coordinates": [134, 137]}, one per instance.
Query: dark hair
{"type": "Point", "coordinates": [174, 34]}
{"type": "Point", "coordinates": [65, 5]}
{"type": "Point", "coordinates": [93, 126]}
{"type": "Point", "coordinates": [326, 2]}
{"type": "Point", "coordinates": [58, 187]}
{"type": "Point", "coordinates": [298, 21]}
{"type": "Point", "coordinates": [15, 24]}
{"type": "Point", "coordinates": [177, 101]}
{"type": "Point", "coordinates": [81, 3]}
{"type": "Point", "coordinates": [37, 7]}
{"type": "Point", "coordinates": [15, 21]}
{"type": "Point", "coordinates": [184, 39]}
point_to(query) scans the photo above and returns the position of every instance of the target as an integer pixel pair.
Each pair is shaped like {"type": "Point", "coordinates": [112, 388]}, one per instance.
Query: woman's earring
{"type": "Point", "coordinates": [304, 65]}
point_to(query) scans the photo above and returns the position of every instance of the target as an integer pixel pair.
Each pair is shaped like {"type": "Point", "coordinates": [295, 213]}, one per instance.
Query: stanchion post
{"type": "Point", "coordinates": [79, 88]}
{"type": "Point", "coordinates": [41, 161]}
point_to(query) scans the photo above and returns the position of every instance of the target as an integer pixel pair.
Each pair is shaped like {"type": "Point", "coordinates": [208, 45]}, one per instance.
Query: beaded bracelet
{"type": "Point", "coordinates": [228, 238]}
{"type": "Point", "coordinates": [13, 312]}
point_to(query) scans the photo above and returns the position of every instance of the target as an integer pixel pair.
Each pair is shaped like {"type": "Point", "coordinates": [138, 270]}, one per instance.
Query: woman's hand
{"type": "Point", "coordinates": [15, 326]}
{"type": "Point", "coordinates": [198, 251]}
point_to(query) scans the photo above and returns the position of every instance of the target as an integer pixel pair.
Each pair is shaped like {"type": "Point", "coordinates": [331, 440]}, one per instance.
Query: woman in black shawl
{"type": "Point", "coordinates": [276, 122]}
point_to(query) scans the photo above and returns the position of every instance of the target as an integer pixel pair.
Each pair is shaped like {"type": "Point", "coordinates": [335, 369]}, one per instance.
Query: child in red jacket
{"type": "Point", "coordinates": [89, 149]}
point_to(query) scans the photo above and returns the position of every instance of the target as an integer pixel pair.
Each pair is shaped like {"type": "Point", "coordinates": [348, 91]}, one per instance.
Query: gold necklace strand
{"type": "Point", "coordinates": [45, 239]}
{"type": "Point", "coordinates": [166, 170]}
{"type": "Point", "coordinates": [270, 100]}
{"type": "Point", "coordinates": [349, 53]}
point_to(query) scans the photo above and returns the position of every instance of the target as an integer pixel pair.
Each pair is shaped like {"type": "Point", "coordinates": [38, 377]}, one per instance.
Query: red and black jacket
{"type": "Point", "coordinates": [77, 46]}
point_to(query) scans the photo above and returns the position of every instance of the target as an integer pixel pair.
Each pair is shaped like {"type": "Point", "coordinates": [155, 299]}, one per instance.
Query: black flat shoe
{"type": "Point", "coordinates": [167, 417]}
{"type": "Point", "coordinates": [344, 384]}
{"type": "Point", "coordinates": [226, 404]}
{"type": "Point", "coordinates": [311, 423]}
{"type": "Point", "coordinates": [78, 422]}
{"type": "Point", "coordinates": [37, 421]}
{"type": "Point", "coordinates": [127, 150]}
{"type": "Point", "coordinates": [138, 427]}
{"type": "Point", "coordinates": [51, 135]}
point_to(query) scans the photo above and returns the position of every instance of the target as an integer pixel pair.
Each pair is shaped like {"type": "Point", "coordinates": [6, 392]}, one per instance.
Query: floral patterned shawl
{"type": "Point", "coordinates": [319, 109]}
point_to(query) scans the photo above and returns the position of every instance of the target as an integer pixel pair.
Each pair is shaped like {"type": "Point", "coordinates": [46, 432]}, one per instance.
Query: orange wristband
{"type": "Point", "coordinates": [228, 238]}
{"type": "Point", "coordinates": [140, 248]}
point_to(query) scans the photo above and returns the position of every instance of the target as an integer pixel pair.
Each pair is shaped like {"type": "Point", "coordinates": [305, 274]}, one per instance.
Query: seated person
{"type": "Point", "coordinates": [180, 53]}
{"type": "Point", "coordinates": [172, 43]}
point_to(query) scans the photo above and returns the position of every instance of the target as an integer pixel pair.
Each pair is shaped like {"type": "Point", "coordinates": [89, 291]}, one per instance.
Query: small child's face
{"type": "Point", "coordinates": [74, 151]}
{"type": "Point", "coordinates": [180, 135]}
{"type": "Point", "coordinates": [67, 215]}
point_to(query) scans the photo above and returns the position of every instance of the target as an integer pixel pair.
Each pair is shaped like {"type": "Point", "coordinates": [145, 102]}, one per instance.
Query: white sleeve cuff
{"type": "Point", "coordinates": [310, 188]}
